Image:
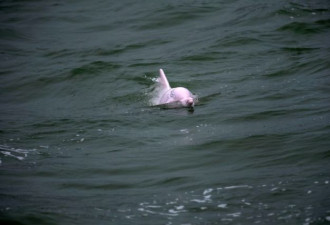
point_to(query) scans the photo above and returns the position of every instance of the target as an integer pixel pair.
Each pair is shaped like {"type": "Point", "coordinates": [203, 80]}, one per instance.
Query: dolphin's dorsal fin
{"type": "Point", "coordinates": [163, 80]}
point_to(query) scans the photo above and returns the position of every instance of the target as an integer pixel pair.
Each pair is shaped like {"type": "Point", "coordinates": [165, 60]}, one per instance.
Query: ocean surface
{"type": "Point", "coordinates": [80, 143]}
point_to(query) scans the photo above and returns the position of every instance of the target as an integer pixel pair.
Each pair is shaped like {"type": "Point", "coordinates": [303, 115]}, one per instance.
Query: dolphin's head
{"type": "Point", "coordinates": [183, 96]}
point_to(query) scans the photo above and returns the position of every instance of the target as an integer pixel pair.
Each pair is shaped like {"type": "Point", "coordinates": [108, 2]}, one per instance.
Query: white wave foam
{"type": "Point", "coordinates": [17, 153]}
{"type": "Point", "coordinates": [238, 186]}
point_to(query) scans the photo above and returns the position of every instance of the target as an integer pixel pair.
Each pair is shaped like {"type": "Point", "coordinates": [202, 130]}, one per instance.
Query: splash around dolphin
{"type": "Point", "coordinates": [168, 97]}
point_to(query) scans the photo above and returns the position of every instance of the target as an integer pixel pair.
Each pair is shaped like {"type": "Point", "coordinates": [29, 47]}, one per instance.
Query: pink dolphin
{"type": "Point", "coordinates": [174, 97]}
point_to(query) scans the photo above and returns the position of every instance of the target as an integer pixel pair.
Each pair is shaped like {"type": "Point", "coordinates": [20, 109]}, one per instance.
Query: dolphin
{"type": "Point", "coordinates": [173, 97]}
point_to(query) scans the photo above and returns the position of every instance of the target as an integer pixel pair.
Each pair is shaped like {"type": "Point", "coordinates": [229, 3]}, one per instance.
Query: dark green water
{"type": "Point", "coordinates": [80, 145]}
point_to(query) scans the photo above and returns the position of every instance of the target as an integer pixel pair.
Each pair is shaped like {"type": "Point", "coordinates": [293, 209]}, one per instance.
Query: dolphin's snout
{"type": "Point", "coordinates": [190, 102]}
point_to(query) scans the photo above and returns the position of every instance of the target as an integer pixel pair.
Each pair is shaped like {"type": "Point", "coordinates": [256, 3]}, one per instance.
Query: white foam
{"type": "Point", "coordinates": [237, 214]}
{"type": "Point", "coordinates": [274, 189]}
{"type": "Point", "coordinates": [17, 153]}
{"type": "Point", "coordinates": [198, 200]}
{"type": "Point", "coordinates": [44, 146]}
{"type": "Point", "coordinates": [226, 219]}
{"type": "Point", "coordinates": [184, 131]}
{"type": "Point", "coordinates": [224, 205]}
{"type": "Point", "coordinates": [146, 211]}
{"type": "Point", "coordinates": [153, 206]}
{"type": "Point", "coordinates": [237, 186]}
{"type": "Point", "coordinates": [245, 202]}
{"type": "Point", "coordinates": [207, 198]}
{"type": "Point", "coordinates": [172, 211]}
{"type": "Point", "coordinates": [207, 191]}
{"type": "Point", "coordinates": [180, 207]}
{"type": "Point", "coordinates": [10, 154]}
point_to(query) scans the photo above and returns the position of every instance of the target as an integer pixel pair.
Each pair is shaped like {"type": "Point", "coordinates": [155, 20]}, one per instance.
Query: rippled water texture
{"type": "Point", "coordinates": [79, 143]}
